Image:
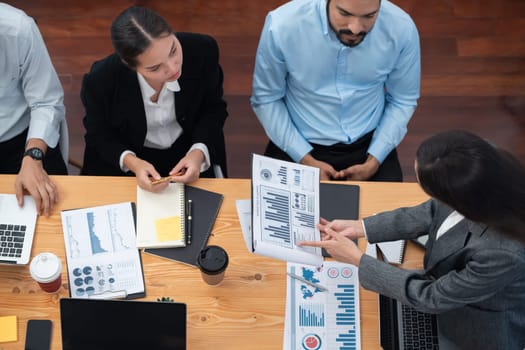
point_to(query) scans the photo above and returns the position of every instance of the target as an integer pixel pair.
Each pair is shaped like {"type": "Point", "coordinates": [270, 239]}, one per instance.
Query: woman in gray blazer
{"type": "Point", "coordinates": [474, 264]}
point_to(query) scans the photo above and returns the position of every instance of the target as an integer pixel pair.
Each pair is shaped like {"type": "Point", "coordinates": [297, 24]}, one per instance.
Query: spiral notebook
{"type": "Point", "coordinates": [393, 251]}
{"type": "Point", "coordinates": [161, 217]}
{"type": "Point", "coordinates": [206, 206]}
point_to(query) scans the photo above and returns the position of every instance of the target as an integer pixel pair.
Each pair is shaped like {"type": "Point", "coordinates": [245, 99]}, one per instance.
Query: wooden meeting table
{"type": "Point", "coordinates": [246, 311]}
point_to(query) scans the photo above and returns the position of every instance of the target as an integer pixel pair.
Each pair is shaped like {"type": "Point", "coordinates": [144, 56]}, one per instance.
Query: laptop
{"type": "Point", "coordinates": [122, 324]}
{"type": "Point", "coordinates": [402, 327]}
{"type": "Point", "coordinates": [17, 229]}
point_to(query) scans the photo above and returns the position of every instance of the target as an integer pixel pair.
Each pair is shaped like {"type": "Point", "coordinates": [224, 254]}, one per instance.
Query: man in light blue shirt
{"type": "Point", "coordinates": [335, 85]}
{"type": "Point", "coordinates": [32, 113]}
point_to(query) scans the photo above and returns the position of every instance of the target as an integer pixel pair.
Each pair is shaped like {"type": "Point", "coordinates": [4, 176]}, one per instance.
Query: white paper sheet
{"type": "Point", "coordinates": [285, 210]}
{"type": "Point", "coordinates": [102, 259]}
{"type": "Point", "coordinates": [322, 320]}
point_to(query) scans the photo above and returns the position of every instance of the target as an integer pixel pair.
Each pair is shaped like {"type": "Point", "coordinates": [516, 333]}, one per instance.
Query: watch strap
{"type": "Point", "coordinates": [35, 153]}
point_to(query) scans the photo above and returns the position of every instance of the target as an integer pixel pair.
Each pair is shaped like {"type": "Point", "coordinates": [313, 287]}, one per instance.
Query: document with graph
{"type": "Point", "coordinates": [322, 307]}
{"type": "Point", "coordinates": [102, 259]}
{"type": "Point", "coordinates": [285, 210]}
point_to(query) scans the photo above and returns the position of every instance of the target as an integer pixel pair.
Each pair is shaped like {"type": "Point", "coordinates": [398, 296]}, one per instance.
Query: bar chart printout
{"type": "Point", "coordinates": [322, 320]}
{"type": "Point", "coordinates": [285, 209]}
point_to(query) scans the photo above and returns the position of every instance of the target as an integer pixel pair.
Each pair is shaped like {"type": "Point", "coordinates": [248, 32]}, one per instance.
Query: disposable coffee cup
{"type": "Point", "coordinates": [46, 269]}
{"type": "Point", "coordinates": [213, 261]}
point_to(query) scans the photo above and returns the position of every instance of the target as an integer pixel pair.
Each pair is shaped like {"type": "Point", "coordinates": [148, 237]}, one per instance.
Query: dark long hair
{"type": "Point", "coordinates": [133, 31]}
{"type": "Point", "coordinates": [484, 183]}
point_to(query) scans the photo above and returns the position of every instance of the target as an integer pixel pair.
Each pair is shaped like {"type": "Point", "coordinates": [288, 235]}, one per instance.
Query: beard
{"type": "Point", "coordinates": [352, 43]}
{"type": "Point", "coordinates": [342, 32]}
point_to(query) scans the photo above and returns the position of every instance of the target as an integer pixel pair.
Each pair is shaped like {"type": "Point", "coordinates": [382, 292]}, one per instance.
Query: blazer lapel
{"type": "Point", "coordinates": [442, 212]}
{"type": "Point", "coordinates": [180, 105]}
{"type": "Point", "coordinates": [188, 88]}
{"type": "Point", "coordinates": [452, 241]}
{"type": "Point", "coordinates": [131, 106]}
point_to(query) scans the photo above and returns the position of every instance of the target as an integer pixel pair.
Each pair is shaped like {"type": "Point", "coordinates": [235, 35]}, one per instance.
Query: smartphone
{"type": "Point", "coordinates": [38, 335]}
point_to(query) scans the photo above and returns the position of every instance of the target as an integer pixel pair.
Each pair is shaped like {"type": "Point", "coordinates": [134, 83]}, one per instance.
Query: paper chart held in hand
{"type": "Point", "coordinates": [102, 258]}
{"type": "Point", "coordinates": [285, 210]}
{"type": "Point", "coordinates": [317, 319]}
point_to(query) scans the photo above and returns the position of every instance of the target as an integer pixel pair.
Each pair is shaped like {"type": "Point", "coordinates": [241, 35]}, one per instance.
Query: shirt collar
{"type": "Point", "coordinates": [324, 18]}
{"type": "Point", "coordinates": [173, 86]}
{"type": "Point", "coordinates": [149, 91]}
{"type": "Point", "coordinates": [325, 23]}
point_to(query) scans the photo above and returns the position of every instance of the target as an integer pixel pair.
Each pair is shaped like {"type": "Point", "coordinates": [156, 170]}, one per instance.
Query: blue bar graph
{"type": "Point", "coordinates": [328, 320]}
{"type": "Point", "coordinates": [346, 317]}
{"type": "Point", "coordinates": [283, 175]}
{"type": "Point", "coordinates": [311, 315]}
{"type": "Point", "coordinates": [276, 220]}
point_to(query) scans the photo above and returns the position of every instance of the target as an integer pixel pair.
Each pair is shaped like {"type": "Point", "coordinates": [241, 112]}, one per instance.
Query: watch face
{"type": "Point", "coordinates": [35, 153]}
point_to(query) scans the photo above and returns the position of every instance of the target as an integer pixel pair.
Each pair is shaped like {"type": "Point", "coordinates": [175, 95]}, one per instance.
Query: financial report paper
{"type": "Point", "coordinates": [102, 257]}
{"type": "Point", "coordinates": [285, 210]}
{"type": "Point", "coordinates": [317, 319]}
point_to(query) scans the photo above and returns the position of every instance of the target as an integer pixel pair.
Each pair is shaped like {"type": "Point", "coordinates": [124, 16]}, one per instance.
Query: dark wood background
{"type": "Point", "coordinates": [473, 64]}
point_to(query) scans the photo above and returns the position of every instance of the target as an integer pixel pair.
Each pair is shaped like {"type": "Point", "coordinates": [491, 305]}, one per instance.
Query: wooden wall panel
{"type": "Point", "coordinates": [492, 46]}
{"type": "Point", "coordinates": [473, 64]}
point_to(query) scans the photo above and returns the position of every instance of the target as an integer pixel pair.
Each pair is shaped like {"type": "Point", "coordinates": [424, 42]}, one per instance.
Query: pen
{"type": "Point", "coordinates": [168, 178]}
{"type": "Point", "coordinates": [190, 219]}
{"type": "Point", "coordinates": [310, 283]}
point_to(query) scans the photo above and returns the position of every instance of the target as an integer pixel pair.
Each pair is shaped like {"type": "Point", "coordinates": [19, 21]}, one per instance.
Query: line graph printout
{"type": "Point", "coordinates": [285, 209]}
{"type": "Point", "coordinates": [318, 319]}
{"type": "Point", "coordinates": [101, 253]}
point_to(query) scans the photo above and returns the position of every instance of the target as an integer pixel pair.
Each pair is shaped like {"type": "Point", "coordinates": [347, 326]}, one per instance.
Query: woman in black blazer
{"type": "Point", "coordinates": [147, 113]}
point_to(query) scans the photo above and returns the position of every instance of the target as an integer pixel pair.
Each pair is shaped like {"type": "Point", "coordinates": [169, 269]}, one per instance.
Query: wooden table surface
{"type": "Point", "coordinates": [246, 311]}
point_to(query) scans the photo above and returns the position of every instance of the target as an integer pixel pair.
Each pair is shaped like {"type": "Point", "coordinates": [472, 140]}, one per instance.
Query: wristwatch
{"type": "Point", "coordinates": [35, 153]}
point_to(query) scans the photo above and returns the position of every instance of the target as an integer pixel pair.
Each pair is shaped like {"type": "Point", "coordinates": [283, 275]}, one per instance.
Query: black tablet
{"type": "Point", "coordinates": [122, 324]}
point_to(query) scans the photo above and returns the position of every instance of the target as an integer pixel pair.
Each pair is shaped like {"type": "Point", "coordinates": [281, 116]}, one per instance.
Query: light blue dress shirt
{"type": "Point", "coordinates": [310, 88]}
{"type": "Point", "coordinates": [30, 92]}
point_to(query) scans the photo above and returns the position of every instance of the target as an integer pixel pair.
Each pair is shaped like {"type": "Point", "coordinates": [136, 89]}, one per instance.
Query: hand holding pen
{"type": "Point", "coordinates": [168, 178]}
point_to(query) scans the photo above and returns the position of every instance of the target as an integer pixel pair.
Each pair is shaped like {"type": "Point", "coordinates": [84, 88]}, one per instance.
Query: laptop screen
{"type": "Point", "coordinates": [122, 324]}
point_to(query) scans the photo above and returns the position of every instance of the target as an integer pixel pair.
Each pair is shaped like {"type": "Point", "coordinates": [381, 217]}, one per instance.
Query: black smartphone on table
{"type": "Point", "coordinates": [38, 335]}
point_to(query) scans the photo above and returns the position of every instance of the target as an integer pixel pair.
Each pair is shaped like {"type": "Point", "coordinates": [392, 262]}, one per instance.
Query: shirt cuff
{"type": "Point", "coordinates": [204, 149]}
{"type": "Point", "coordinates": [300, 151]}
{"type": "Point", "coordinates": [380, 150]}
{"type": "Point", "coordinates": [121, 160]}
{"type": "Point", "coordinates": [364, 229]}
{"type": "Point", "coordinates": [41, 129]}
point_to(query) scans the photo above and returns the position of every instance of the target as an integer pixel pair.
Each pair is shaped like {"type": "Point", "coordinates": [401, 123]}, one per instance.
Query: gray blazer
{"type": "Point", "coordinates": [473, 278]}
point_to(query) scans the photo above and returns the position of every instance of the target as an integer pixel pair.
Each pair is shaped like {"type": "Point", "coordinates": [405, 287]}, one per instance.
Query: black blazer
{"type": "Point", "coordinates": [115, 119]}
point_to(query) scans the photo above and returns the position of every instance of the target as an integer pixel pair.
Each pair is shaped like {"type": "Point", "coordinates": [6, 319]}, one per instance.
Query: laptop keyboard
{"type": "Point", "coordinates": [11, 240]}
{"type": "Point", "coordinates": [420, 330]}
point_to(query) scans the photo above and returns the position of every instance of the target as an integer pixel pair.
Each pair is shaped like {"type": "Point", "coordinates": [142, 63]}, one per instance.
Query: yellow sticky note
{"type": "Point", "coordinates": [8, 329]}
{"type": "Point", "coordinates": [168, 229]}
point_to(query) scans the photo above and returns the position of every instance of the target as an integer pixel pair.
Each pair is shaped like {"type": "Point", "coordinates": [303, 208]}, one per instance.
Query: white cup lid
{"type": "Point", "coordinates": [45, 267]}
